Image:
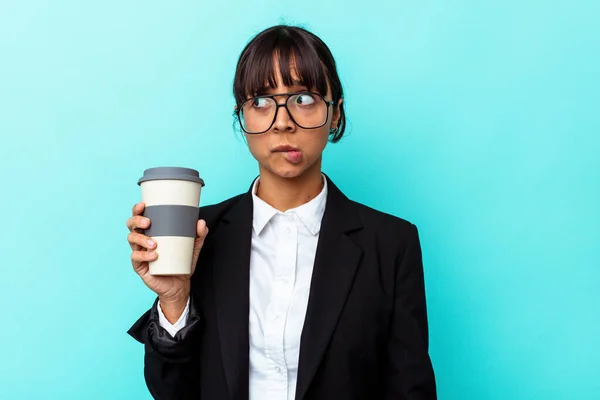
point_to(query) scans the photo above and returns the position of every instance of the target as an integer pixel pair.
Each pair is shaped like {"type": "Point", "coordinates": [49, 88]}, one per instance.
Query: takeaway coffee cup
{"type": "Point", "coordinates": [172, 197]}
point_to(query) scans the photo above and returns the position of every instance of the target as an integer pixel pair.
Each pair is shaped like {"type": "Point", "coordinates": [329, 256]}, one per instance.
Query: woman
{"type": "Point", "coordinates": [298, 292]}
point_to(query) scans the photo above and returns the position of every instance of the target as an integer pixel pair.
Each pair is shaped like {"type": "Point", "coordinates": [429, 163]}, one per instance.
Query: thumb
{"type": "Point", "coordinates": [201, 233]}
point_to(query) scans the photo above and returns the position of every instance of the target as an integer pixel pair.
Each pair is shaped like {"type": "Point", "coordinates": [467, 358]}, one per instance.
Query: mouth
{"type": "Point", "coordinates": [291, 153]}
{"type": "Point", "coordinates": [285, 148]}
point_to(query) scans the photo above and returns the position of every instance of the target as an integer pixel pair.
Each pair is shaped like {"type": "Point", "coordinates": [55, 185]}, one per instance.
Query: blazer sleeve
{"type": "Point", "coordinates": [171, 364]}
{"type": "Point", "coordinates": [410, 374]}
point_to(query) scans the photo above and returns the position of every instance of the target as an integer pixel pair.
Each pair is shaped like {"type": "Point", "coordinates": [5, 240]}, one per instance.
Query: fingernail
{"type": "Point", "coordinates": [150, 243]}
{"type": "Point", "coordinates": [152, 254]}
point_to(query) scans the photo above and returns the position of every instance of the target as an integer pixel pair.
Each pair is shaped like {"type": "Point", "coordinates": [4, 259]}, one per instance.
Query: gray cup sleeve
{"type": "Point", "coordinates": [172, 220]}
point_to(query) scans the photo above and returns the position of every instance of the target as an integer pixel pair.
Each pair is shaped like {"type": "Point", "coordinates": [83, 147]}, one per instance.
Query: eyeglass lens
{"type": "Point", "coordinates": [308, 110]}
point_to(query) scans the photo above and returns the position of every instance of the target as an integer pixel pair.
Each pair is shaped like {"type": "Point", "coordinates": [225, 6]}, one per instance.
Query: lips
{"type": "Point", "coordinates": [292, 154]}
{"type": "Point", "coordinates": [285, 147]}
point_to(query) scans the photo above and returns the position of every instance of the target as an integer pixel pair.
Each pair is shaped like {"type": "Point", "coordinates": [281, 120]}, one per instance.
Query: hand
{"type": "Point", "coordinates": [173, 291]}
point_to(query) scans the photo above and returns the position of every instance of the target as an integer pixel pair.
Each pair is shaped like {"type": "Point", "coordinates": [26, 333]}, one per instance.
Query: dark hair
{"type": "Point", "coordinates": [297, 49]}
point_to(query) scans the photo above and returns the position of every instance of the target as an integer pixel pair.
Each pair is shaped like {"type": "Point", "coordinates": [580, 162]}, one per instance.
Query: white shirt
{"type": "Point", "coordinates": [281, 265]}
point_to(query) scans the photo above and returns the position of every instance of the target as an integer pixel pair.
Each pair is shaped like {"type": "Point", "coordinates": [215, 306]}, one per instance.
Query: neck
{"type": "Point", "coordinates": [286, 193]}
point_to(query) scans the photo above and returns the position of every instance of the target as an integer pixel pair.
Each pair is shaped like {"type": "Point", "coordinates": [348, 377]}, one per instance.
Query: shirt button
{"type": "Point", "coordinates": [284, 281]}
{"type": "Point", "coordinates": [278, 370]}
{"type": "Point", "coordinates": [276, 319]}
{"type": "Point", "coordinates": [288, 231]}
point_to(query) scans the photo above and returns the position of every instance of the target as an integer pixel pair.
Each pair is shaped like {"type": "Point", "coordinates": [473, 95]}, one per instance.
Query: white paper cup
{"type": "Point", "coordinates": [172, 197]}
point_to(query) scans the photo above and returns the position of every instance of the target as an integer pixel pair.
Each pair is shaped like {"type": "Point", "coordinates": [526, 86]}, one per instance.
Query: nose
{"type": "Point", "coordinates": [283, 121]}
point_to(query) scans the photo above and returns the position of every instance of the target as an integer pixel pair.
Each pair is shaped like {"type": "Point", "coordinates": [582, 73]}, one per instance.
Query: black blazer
{"type": "Point", "coordinates": [365, 335]}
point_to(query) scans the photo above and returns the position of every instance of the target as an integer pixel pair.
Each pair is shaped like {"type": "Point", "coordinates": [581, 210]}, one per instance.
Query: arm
{"type": "Point", "coordinates": [171, 363]}
{"type": "Point", "coordinates": [171, 368]}
{"type": "Point", "coordinates": [410, 374]}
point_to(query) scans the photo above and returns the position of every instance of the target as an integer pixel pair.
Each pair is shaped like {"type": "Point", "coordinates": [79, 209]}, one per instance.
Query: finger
{"type": "Point", "coordinates": [138, 209]}
{"type": "Point", "coordinates": [130, 224]}
{"type": "Point", "coordinates": [139, 257]}
{"type": "Point", "coordinates": [141, 241]}
{"type": "Point", "coordinates": [138, 223]}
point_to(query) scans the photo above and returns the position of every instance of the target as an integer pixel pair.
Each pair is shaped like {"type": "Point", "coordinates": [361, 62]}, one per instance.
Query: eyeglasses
{"type": "Point", "coordinates": [308, 110]}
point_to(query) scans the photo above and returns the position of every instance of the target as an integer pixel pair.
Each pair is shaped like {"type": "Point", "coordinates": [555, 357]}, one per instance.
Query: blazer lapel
{"type": "Point", "coordinates": [336, 261]}
{"type": "Point", "coordinates": [231, 266]}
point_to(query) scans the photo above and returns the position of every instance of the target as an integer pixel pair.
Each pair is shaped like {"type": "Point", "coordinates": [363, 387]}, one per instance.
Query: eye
{"type": "Point", "coordinates": [260, 102]}
{"type": "Point", "coordinates": [304, 99]}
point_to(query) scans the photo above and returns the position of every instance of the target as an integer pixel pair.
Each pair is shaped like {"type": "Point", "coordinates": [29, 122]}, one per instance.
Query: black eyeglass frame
{"type": "Point", "coordinates": [238, 110]}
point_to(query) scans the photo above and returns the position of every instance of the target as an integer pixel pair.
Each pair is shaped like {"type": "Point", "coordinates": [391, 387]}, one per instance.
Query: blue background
{"type": "Point", "coordinates": [477, 121]}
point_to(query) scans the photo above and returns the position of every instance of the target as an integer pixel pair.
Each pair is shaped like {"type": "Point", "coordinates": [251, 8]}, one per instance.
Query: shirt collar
{"type": "Point", "coordinates": [310, 214]}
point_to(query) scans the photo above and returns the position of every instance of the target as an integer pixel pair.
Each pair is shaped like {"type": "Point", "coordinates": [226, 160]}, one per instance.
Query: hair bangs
{"type": "Point", "coordinates": [299, 64]}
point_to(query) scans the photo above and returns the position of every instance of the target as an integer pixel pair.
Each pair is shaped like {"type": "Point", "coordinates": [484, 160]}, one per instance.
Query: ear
{"type": "Point", "coordinates": [337, 114]}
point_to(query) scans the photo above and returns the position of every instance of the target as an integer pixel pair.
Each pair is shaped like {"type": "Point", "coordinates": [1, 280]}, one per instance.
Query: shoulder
{"type": "Point", "coordinates": [385, 223]}
{"type": "Point", "coordinates": [391, 236]}
{"type": "Point", "coordinates": [213, 213]}
{"type": "Point", "coordinates": [387, 228]}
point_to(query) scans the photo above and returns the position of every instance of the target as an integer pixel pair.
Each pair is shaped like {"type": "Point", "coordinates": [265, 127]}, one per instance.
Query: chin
{"type": "Point", "coordinates": [289, 171]}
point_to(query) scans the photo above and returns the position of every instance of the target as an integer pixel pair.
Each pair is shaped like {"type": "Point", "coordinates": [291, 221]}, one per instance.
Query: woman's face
{"type": "Point", "coordinates": [287, 150]}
